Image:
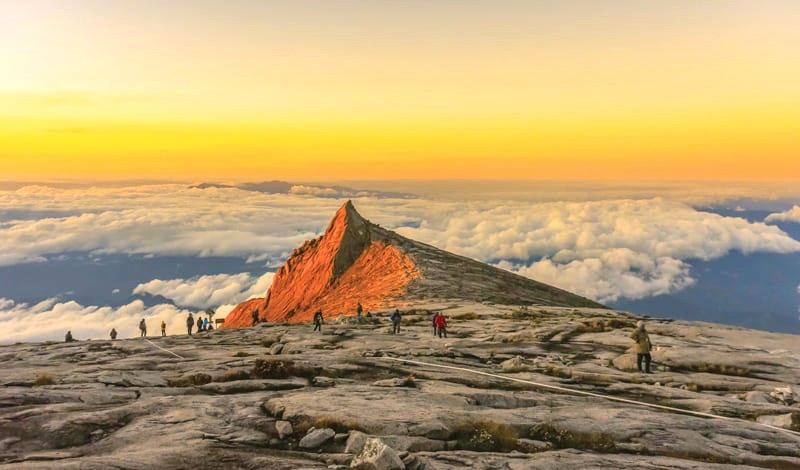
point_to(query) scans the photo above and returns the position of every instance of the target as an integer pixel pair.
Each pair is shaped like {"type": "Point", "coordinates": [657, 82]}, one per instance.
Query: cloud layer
{"type": "Point", "coordinates": [209, 291]}
{"type": "Point", "coordinates": [791, 215]}
{"type": "Point", "coordinates": [51, 319]}
{"type": "Point", "coordinates": [605, 249]}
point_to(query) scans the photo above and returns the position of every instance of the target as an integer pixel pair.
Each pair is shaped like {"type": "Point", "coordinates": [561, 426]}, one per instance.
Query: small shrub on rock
{"type": "Point", "coordinates": [565, 439]}
{"type": "Point", "coordinates": [190, 380]}
{"type": "Point", "coordinates": [486, 436]}
{"type": "Point", "coordinates": [233, 375]}
{"type": "Point", "coordinates": [44, 379]}
{"type": "Point", "coordinates": [280, 369]}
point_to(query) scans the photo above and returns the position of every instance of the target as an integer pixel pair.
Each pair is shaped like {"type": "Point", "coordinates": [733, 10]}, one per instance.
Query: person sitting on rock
{"type": "Point", "coordinates": [189, 323]}
{"type": "Point", "coordinates": [396, 318]}
{"type": "Point", "coordinates": [113, 333]}
{"type": "Point", "coordinates": [441, 325]}
{"type": "Point", "coordinates": [143, 328]}
{"type": "Point", "coordinates": [163, 328]}
{"type": "Point", "coordinates": [643, 347]}
{"type": "Point", "coordinates": [68, 337]}
{"type": "Point", "coordinates": [318, 321]}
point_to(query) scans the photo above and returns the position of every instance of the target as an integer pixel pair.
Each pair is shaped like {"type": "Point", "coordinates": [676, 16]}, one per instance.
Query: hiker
{"type": "Point", "coordinates": [205, 324]}
{"type": "Point", "coordinates": [396, 317]}
{"type": "Point", "coordinates": [433, 322]}
{"type": "Point", "coordinates": [643, 347]}
{"type": "Point", "coordinates": [441, 325]}
{"type": "Point", "coordinates": [359, 311]}
{"type": "Point", "coordinates": [143, 328]}
{"type": "Point", "coordinates": [68, 337]}
{"type": "Point", "coordinates": [254, 316]}
{"type": "Point", "coordinates": [189, 323]}
{"type": "Point", "coordinates": [210, 327]}
{"type": "Point", "coordinates": [318, 321]}
{"type": "Point", "coordinates": [163, 328]}
{"type": "Point", "coordinates": [199, 324]}
{"type": "Point", "coordinates": [113, 333]}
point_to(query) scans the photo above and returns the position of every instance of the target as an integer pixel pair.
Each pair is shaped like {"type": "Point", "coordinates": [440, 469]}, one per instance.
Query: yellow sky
{"type": "Point", "coordinates": [382, 89]}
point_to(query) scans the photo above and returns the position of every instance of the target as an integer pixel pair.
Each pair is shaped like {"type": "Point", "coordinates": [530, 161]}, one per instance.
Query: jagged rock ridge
{"type": "Point", "coordinates": [358, 261]}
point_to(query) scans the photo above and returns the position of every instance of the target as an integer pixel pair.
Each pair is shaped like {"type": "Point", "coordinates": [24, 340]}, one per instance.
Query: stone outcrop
{"type": "Point", "coordinates": [356, 261]}
{"type": "Point", "coordinates": [127, 404]}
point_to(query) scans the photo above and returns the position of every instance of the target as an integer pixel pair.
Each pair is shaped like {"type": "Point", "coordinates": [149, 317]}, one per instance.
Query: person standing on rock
{"type": "Point", "coordinates": [359, 311]}
{"type": "Point", "coordinates": [254, 316]}
{"type": "Point", "coordinates": [643, 347]}
{"type": "Point", "coordinates": [113, 333]}
{"type": "Point", "coordinates": [205, 324]}
{"type": "Point", "coordinates": [199, 324]}
{"type": "Point", "coordinates": [433, 322]}
{"type": "Point", "coordinates": [189, 323]}
{"type": "Point", "coordinates": [163, 328]}
{"type": "Point", "coordinates": [318, 321]}
{"type": "Point", "coordinates": [143, 328]}
{"type": "Point", "coordinates": [441, 325]}
{"type": "Point", "coordinates": [396, 318]}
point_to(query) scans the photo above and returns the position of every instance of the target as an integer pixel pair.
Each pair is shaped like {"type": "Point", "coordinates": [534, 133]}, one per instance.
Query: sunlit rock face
{"type": "Point", "coordinates": [348, 264]}
{"type": "Point", "coordinates": [356, 261]}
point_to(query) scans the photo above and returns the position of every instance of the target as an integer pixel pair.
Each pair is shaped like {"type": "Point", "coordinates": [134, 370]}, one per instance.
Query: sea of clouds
{"type": "Point", "coordinates": [605, 249]}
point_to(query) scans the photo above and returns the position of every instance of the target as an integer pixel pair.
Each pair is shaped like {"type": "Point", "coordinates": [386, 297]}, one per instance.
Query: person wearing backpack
{"type": "Point", "coordinates": [189, 323]}
{"type": "Point", "coordinates": [113, 333]}
{"type": "Point", "coordinates": [396, 318]}
{"type": "Point", "coordinates": [643, 347]}
{"type": "Point", "coordinates": [441, 325]}
{"type": "Point", "coordinates": [318, 321]}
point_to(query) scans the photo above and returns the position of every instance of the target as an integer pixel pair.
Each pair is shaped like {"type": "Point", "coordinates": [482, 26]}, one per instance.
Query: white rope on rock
{"type": "Point", "coordinates": [164, 349]}
{"type": "Point", "coordinates": [585, 393]}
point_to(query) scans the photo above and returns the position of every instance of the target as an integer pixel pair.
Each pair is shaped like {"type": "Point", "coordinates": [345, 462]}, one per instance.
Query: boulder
{"type": "Point", "coordinates": [515, 364]}
{"type": "Point", "coordinates": [782, 421]}
{"type": "Point", "coordinates": [396, 382]}
{"type": "Point", "coordinates": [377, 456]}
{"type": "Point", "coordinates": [784, 395]}
{"type": "Point", "coordinates": [355, 443]}
{"type": "Point", "coordinates": [284, 429]}
{"type": "Point", "coordinates": [316, 437]}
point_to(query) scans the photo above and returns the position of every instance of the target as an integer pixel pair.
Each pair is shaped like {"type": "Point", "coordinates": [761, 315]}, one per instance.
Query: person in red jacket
{"type": "Point", "coordinates": [441, 325]}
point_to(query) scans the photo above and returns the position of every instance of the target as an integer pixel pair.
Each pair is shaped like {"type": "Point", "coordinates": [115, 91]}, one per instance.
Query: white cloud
{"type": "Point", "coordinates": [605, 249]}
{"type": "Point", "coordinates": [209, 291]}
{"type": "Point", "coordinates": [601, 249]}
{"type": "Point", "coordinates": [791, 215]}
{"type": "Point", "coordinates": [51, 319]}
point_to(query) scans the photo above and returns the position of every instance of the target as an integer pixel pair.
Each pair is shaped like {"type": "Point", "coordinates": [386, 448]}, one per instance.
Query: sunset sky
{"type": "Point", "coordinates": [246, 89]}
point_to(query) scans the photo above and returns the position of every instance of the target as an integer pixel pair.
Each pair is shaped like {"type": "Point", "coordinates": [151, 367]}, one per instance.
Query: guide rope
{"type": "Point", "coordinates": [164, 349]}
{"type": "Point", "coordinates": [590, 394]}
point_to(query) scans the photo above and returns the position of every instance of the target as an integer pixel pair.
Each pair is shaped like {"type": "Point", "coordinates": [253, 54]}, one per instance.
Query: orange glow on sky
{"type": "Point", "coordinates": [376, 90]}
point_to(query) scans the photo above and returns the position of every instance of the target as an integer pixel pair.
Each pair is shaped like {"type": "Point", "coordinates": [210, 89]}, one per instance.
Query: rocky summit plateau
{"type": "Point", "coordinates": [281, 396]}
{"type": "Point", "coordinates": [528, 377]}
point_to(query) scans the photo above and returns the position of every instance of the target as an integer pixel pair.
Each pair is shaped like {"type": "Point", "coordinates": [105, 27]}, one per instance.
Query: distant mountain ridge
{"type": "Point", "coordinates": [356, 261]}
{"type": "Point", "coordinates": [285, 187]}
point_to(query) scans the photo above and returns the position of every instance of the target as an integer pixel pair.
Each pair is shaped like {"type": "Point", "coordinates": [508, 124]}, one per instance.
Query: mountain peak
{"type": "Point", "coordinates": [356, 262]}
